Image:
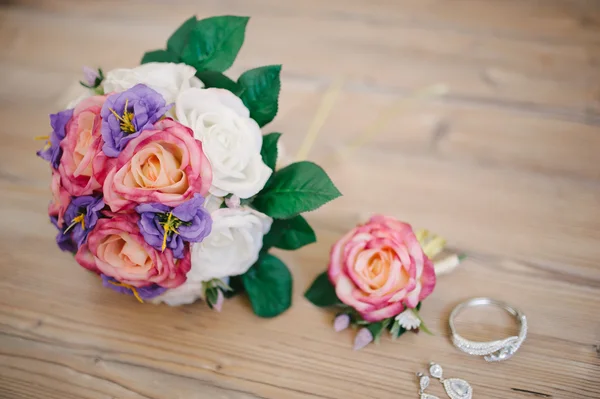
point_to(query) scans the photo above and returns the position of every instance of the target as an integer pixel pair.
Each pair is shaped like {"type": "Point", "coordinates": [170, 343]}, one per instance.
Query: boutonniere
{"type": "Point", "coordinates": [378, 276]}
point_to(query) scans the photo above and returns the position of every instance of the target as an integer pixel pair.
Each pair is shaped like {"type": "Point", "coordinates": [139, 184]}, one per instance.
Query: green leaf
{"type": "Point", "coordinates": [289, 234]}
{"type": "Point", "coordinates": [236, 285]}
{"type": "Point", "coordinates": [214, 43]}
{"type": "Point", "coordinates": [269, 286]}
{"type": "Point", "coordinates": [159, 56]}
{"type": "Point", "coordinates": [322, 293]}
{"type": "Point", "coordinates": [376, 329]}
{"type": "Point", "coordinates": [218, 80]}
{"type": "Point", "coordinates": [268, 152]}
{"type": "Point", "coordinates": [299, 187]}
{"type": "Point", "coordinates": [179, 38]}
{"type": "Point", "coordinates": [396, 330]}
{"type": "Point", "coordinates": [261, 92]}
{"type": "Point", "coordinates": [422, 327]}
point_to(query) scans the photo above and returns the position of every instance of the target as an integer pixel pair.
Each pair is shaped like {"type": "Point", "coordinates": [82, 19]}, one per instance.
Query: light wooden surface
{"type": "Point", "coordinates": [506, 166]}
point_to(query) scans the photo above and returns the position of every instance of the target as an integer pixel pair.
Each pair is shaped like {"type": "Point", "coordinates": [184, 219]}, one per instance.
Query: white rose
{"type": "Point", "coordinates": [212, 203]}
{"type": "Point", "coordinates": [232, 246]}
{"type": "Point", "coordinates": [166, 78]}
{"type": "Point", "coordinates": [230, 139]}
{"type": "Point", "coordinates": [186, 293]}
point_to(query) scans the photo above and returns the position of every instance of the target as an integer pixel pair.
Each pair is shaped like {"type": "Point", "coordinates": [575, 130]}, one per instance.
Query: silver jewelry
{"type": "Point", "coordinates": [423, 384]}
{"type": "Point", "coordinates": [492, 351]}
{"type": "Point", "coordinates": [456, 388]}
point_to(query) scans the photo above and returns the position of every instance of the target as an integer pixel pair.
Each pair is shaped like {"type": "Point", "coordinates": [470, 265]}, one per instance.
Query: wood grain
{"type": "Point", "coordinates": [505, 166]}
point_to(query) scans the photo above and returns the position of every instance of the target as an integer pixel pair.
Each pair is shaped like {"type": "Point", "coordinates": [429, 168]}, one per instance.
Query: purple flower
{"type": "Point", "coordinates": [125, 115]}
{"type": "Point", "coordinates": [64, 242]}
{"type": "Point", "coordinates": [141, 293]}
{"type": "Point", "coordinates": [52, 151]}
{"type": "Point", "coordinates": [80, 218]}
{"type": "Point", "coordinates": [165, 227]}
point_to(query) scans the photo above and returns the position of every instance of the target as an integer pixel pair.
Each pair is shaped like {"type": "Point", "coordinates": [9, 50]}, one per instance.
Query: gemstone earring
{"type": "Point", "coordinates": [456, 388]}
{"type": "Point", "coordinates": [423, 384]}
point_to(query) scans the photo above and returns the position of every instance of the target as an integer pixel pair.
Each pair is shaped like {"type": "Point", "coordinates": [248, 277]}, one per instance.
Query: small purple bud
{"type": "Point", "coordinates": [341, 322]}
{"type": "Point", "coordinates": [220, 299]}
{"type": "Point", "coordinates": [90, 75]}
{"type": "Point", "coordinates": [233, 202]}
{"type": "Point", "coordinates": [363, 338]}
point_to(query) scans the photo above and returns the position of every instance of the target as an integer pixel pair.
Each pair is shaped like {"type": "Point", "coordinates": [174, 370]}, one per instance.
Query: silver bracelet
{"type": "Point", "coordinates": [492, 351]}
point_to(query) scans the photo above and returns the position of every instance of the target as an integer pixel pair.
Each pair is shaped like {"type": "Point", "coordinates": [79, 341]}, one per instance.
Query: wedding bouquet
{"type": "Point", "coordinates": [164, 185]}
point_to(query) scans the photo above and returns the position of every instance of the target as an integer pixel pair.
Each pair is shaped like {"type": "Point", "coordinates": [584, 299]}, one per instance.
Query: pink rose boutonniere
{"type": "Point", "coordinates": [379, 273]}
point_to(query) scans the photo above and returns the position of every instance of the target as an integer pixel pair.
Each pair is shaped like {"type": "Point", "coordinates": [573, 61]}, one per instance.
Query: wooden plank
{"type": "Point", "coordinates": [528, 20]}
{"type": "Point", "coordinates": [388, 56]}
{"type": "Point", "coordinates": [505, 167]}
{"type": "Point", "coordinates": [293, 353]}
{"type": "Point", "coordinates": [471, 135]}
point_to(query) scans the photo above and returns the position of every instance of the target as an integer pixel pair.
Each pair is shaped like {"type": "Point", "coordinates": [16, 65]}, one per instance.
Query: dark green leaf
{"type": "Point", "coordinates": [212, 296]}
{"type": "Point", "coordinates": [218, 80]}
{"type": "Point", "coordinates": [322, 293]}
{"type": "Point", "coordinates": [261, 92]}
{"type": "Point", "coordinates": [159, 56]}
{"type": "Point", "coordinates": [376, 330]}
{"type": "Point", "coordinates": [289, 234]}
{"type": "Point", "coordinates": [269, 286]}
{"type": "Point", "coordinates": [268, 152]}
{"type": "Point", "coordinates": [214, 43]}
{"type": "Point", "coordinates": [396, 330]}
{"type": "Point", "coordinates": [237, 287]}
{"type": "Point", "coordinates": [299, 187]}
{"type": "Point", "coordinates": [179, 38]}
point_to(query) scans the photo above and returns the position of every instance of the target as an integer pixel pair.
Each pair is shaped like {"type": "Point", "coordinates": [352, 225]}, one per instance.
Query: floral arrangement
{"type": "Point", "coordinates": [379, 273]}
{"type": "Point", "coordinates": [164, 185]}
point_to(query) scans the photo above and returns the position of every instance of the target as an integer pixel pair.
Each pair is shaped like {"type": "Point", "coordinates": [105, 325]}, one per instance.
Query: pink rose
{"type": "Point", "coordinates": [116, 248]}
{"type": "Point", "coordinates": [82, 160]}
{"type": "Point", "coordinates": [165, 165]}
{"type": "Point", "coordinates": [379, 268]}
{"type": "Point", "coordinates": [60, 200]}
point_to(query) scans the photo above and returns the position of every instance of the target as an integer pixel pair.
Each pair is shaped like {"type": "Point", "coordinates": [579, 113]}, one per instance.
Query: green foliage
{"type": "Point", "coordinates": [289, 234]}
{"type": "Point", "coordinates": [269, 286]}
{"type": "Point", "coordinates": [299, 187]}
{"type": "Point", "coordinates": [376, 329]}
{"type": "Point", "coordinates": [259, 90]}
{"type": "Point", "coordinates": [322, 293]}
{"type": "Point", "coordinates": [218, 80]}
{"type": "Point", "coordinates": [179, 38]}
{"type": "Point", "coordinates": [210, 44]}
{"type": "Point", "coordinates": [159, 56]}
{"type": "Point", "coordinates": [268, 152]}
{"type": "Point", "coordinates": [213, 43]}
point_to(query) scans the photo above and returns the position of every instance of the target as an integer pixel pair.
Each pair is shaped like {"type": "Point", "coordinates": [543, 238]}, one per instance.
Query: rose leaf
{"type": "Point", "coordinates": [322, 293]}
{"type": "Point", "coordinates": [299, 187]}
{"type": "Point", "coordinates": [260, 92]}
{"type": "Point", "coordinates": [268, 284]}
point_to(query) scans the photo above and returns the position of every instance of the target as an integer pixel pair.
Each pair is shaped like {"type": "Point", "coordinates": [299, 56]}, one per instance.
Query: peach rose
{"type": "Point", "coordinates": [82, 158]}
{"type": "Point", "coordinates": [379, 268]}
{"type": "Point", "coordinates": [60, 200]}
{"type": "Point", "coordinates": [165, 164]}
{"type": "Point", "coordinates": [117, 249]}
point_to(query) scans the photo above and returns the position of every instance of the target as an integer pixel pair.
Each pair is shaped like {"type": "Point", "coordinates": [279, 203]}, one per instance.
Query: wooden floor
{"type": "Point", "coordinates": [506, 166]}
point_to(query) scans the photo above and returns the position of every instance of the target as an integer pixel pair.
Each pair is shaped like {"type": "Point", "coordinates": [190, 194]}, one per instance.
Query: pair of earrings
{"type": "Point", "coordinates": [456, 388]}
